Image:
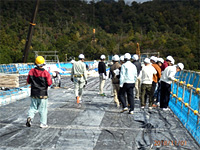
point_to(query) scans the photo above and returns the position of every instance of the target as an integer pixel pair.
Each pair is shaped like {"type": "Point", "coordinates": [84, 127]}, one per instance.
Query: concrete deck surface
{"type": "Point", "coordinates": [96, 125]}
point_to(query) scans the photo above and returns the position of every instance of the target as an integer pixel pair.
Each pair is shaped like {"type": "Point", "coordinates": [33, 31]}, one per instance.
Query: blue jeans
{"type": "Point", "coordinates": [157, 94]}
{"type": "Point", "coordinates": [38, 105]}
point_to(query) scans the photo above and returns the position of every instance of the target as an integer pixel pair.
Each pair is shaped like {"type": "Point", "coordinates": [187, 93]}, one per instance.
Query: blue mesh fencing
{"type": "Point", "coordinates": [23, 68]}
{"type": "Point", "coordinates": [185, 115]}
{"type": "Point", "coordinates": [12, 95]}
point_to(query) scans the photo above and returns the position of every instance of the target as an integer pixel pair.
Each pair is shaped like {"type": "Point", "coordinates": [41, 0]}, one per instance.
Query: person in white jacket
{"type": "Point", "coordinates": [168, 75]}
{"type": "Point", "coordinates": [146, 76]}
{"type": "Point", "coordinates": [128, 76]}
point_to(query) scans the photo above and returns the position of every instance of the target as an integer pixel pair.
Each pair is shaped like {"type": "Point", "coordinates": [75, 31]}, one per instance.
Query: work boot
{"type": "Point", "coordinates": [28, 123]}
{"type": "Point", "coordinates": [77, 99]}
{"type": "Point", "coordinates": [43, 125]}
{"type": "Point", "coordinates": [125, 109]}
{"type": "Point", "coordinates": [131, 112]}
{"type": "Point", "coordinates": [154, 105]}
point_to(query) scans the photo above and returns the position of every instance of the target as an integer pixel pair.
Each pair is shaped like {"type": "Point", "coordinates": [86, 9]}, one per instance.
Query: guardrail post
{"type": "Point", "coordinates": [189, 76]}
{"type": "Point", "coordinates": [198, 115]}
{"type": "Point", "coordinates": [183, 97]}
{"type": "Point", "coordinates": [189, 103]}
{"type": "Point", "coordinates": [177, 91]}
{"type": "Point", "coordinates": [198, 81]}
{"type": "Point", "coordinates": [172, 89]}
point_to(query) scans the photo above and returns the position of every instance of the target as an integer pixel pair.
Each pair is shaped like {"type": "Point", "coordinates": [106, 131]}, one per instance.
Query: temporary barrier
{"type": "Point", "coordinates": [185, 101]}
{"type": "Point", "coordinates": [12, 95]}
{"type": "Point", "coordinates": [23, 68]}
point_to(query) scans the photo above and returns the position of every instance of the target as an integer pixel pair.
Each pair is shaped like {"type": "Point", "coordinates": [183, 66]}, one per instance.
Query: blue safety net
{"type": "Point", "coordinates": [189, 96]}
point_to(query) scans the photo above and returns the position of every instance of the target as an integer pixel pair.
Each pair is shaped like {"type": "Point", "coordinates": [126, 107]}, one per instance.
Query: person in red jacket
{"type": "Point", "coordinates": [39, 79]}
{"type": "Point", "coordinates": [169, 62]}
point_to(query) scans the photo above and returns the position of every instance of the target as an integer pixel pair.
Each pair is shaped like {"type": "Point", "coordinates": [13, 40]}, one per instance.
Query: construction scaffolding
{"type": "Point", "coordinates": [49, 56]}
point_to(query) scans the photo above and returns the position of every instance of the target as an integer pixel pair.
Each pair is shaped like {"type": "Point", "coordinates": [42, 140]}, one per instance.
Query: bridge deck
{"type": "Point", "coordinates": [97, 124]}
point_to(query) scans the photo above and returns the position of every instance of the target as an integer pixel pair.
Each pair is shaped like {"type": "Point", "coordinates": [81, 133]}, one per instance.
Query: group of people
{"type": "Point", "coordinates": [150, 79]}
{"type": "Point", "coordinates": [153, 80]}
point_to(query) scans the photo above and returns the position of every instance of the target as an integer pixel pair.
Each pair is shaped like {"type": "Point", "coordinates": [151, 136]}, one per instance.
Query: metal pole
{"type": "Point", "coordinates": [177, 91]}
{"type": "Point", "coordinates": [189, 102]}
{"type": "Point", "coordinates": [172, 90]}
{"type": "Point", "coordinates": [198, 116]}
{"type": "Point", "coordinates": [189, 76]}
{"type": "Point", "coordinates": [183, 97]}
{"type": "Point", "coordinates": [30, 33]}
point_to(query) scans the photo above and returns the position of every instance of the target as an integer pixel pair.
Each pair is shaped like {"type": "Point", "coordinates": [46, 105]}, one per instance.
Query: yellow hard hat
{"type": "Point", "coordinates": [39, 60]}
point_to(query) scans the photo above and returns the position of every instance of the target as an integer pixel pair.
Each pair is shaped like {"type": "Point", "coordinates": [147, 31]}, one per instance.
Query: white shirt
{"type": "Point", "coordinates": [128, 73]}
{"type": "Point", "coordinates": [146, 74]}
{"type": "Point", "coordinates": [168, 74]}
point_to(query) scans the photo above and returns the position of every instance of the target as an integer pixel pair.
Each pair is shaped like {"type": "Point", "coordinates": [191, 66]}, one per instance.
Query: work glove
{"type": "Point", "coordinates": [85, 84]}
{"type": "Point", "coordinates": [72, 79]}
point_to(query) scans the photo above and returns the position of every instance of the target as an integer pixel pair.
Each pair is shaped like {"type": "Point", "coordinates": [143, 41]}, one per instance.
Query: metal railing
{"type": "Point", "coordinates": [185, 101]}
{"type": "Point", "coordinates": [181, 99]}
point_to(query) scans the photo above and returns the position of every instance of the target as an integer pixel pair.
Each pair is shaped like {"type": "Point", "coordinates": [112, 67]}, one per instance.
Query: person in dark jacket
{"type": "Point", "coordinates": [139, 68]}
{"type": "Point", "coordinates": [102, 74]}
{"type": "Point", "coordinates": [39, 79]}
{"type": "Point", "coordinates": [115, 81]}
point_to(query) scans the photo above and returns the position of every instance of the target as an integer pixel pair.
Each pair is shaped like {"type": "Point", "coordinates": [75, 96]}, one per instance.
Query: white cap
{"type": "Point", "coordinates": [135, 57]}
{"type": "Point", "coordinates": [127, 56]}
{"type": "Point", "coordinates": [160, 60]}
{"type": "Point", "coordinates": [103, 57]}
{"type": "Point", "coordinates": [115, 58]}
{"type": "Point", "coordinates": [171, 59]}
{"type": "Point", "coordinates": [81, 56]}
{"type": "Point", "coordinates": [153, 58]}
{"type": "Point", "coordinates": [122, 58]}
{"type": "Point", "coordinates": [180, 65]}
{"type": "Point", "coordinates": [147, 61]}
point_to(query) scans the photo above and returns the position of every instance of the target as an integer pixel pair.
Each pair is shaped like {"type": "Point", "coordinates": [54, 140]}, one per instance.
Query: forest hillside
{"type": "Point", "coordinates": [169, 27]}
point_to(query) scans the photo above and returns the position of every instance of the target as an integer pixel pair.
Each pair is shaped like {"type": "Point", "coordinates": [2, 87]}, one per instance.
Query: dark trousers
{"type": "Point", "coordinates": [158, 92]}
{"type": "Point", "coordinates": [153, 87]}
{"type": "Point", "coordinates": [165, 94]}
{"type": "Point", "coordinates": [127, 89]}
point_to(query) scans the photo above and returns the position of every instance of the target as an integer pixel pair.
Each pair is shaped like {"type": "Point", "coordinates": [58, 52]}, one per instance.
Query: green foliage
{"type": "Point", "coordinates": [170, 27]}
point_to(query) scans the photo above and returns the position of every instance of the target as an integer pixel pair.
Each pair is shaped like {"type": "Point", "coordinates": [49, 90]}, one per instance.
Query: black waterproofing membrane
{"type": "Point", "coordinates": [95, 124]}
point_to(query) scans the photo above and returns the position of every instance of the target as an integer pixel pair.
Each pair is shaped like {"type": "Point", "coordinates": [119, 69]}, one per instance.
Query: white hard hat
{"type": "Point", "coordinates": [153, 58]}
{"type": "Point", "coordinates": [103, 57]}
{"type": "Point", "coordinates": [135, 57]}
{"type": "Point", "coordinates": [115, 58]}
{"type": "Point", "coordinates": [147, 61]}
{"type": "Point", "coordinates": [54, 74]}
{"type": "Point", "coordinates": [180, 65]}
{"type": "Point", "coordinates": [122, 58]}
{"type": "Point", "coordinates": [160, 60]}
{"type": "Point", "coordinates": [72, 61]}
{"type": "Point", "coordinates": [127, 56]}
{"type": "Point", "coordinates": [171, 59]}
{"type": "Point", "coordinates": [81, 56]}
